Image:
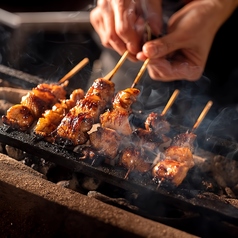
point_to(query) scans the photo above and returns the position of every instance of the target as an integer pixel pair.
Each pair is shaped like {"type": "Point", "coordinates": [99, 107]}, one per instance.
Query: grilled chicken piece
{"type": "Point", "coordinates": [157, 124]}
{"type": "Point", "coordinates": [18, 117]}
{"type": "Point", "coordinates": [132, 159]}
{"type": "Point", "coordinates": [32, 105]}
{"type": "Point", "coordinates": [58, 90]}
{"type": "Point", "coordinates": [73, 128]}
{"type": "Point", "coordinates": [118, 117]}
{"type": "Point", "coordinates": [185, 140]}
{"type": "Point", "coordinates": [177, 160]}
{"type": "Point", "coordinates": [105, 141]}
{"type": "Point", "coordinates": [150, 142]}
{"type": "Point", "coordinates": [51, 118]}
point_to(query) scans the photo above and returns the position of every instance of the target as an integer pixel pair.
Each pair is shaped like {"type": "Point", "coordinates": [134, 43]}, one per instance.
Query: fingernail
{"type": "Point", "coordinates": [152, 50]}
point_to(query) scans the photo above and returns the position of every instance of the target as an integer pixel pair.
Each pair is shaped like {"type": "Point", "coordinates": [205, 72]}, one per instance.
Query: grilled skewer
{"type": "Point", "coordinates": [51, 118]}
{"type": "Point", "coordinates": [22, 116]}
{"type": "Point", "coordinates": [114, 123]}
{"type": "Point", "coordinates": [118, 117]}
{"type": "Point", "coordinates": [150, 140]}
{"type": "Point", "coordinates": [155, 127]}
{"type": "Point", "coordinates": [132, 158]}
{"type": "Point", "coordinates": [177, 159]}
{"type": "Point", "coordinates": [74, 127]}
{"type": "Point", "coordinates": [156, 123]}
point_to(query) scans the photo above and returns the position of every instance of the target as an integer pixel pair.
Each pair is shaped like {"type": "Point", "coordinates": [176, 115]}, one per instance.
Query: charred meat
{"type": "Point", "coordinates": [73, 128]}
{"type": "Point", "coordinates": [118, 117]}
{"type": "Point", "coordinates": [106, 142]}
{"type": "Point", "coordinates": [176, 160]}
{"type": "Point", "coordinates": [133, 160]}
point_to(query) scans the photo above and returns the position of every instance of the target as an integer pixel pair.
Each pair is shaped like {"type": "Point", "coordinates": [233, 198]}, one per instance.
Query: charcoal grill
{"type": "Point", "coordinates": [191, 205]}
{"type": "Point", "coordinates": [199, 206]}
{"type": "Point", "coordinates": [185, 199]}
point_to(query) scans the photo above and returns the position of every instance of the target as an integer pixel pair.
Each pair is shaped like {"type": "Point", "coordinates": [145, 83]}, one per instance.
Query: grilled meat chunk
{"type": "Point", "coordinates": [73, 128]}
{"type": "Point", "coordinates": [32, 105]}
{"type": "Point", "coordinates": [19, 117]}
{"type": "Point", "coordinates": [105, 141]}
{"type": "Point", "coordinates": [118, 117]}
{"type": "Point", "coordinates": [132, 159]}
{"type": "Point", "coordinates": [51, 118]}
{"type": "Point", "coordinates": [176, 161]}
{"type": "Point", "coordinates": [157, 124]}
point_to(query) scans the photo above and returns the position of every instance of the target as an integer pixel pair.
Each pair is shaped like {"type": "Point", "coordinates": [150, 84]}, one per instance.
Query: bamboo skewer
{"type": "Point", "coordinates": [170, 102]}
{"type": "Point", "coordinates": [118, 65]}
{"type": "Point", "coordinates": [141, 72]}
{"type": "Point", "coordinates": [202, 115]}
{"type": "Point", "coordinates": [73, 71]}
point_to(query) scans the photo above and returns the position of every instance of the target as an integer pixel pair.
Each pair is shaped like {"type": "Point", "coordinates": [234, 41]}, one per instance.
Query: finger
{"type": "Point", "coordinates": [98, 25]}
{"type": "Point", "coordinates": [163, 46]}
{"type": "Point", "coordinates": [154, 17]}
{"type": "Point", "coordinates": [103, 22]}
{"type": "Point", "coordinates": [165, 70]}
{"type": "Point", "coordinates": [127, 25]}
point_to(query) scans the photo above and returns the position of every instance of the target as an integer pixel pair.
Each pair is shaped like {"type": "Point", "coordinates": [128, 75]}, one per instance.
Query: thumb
{"type": "Point", "coordinates": [162, 46]}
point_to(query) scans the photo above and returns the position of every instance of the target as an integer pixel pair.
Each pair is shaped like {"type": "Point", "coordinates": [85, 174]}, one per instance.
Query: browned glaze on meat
{"type": "Point", "coordinates": [157, 124]}
{"type": "Point", "coordinates": [51, 118]}
{"type": "Point", "coordinates": [106, 142]}
{"type": "Point", "coordinates": [177, 160]}
{"type": "Point", "coordinates": [132, 159]}
{"type": "Point", "coordinates": [185, 140]}
{"type": "Point", "coordinates": [118, 117]}
{"type": "Point", "coordinates": [73, 128]}
{"type": "Point", "coordinates": [19, 117]}
{"type": "Point", "coordinates": [40, 98]}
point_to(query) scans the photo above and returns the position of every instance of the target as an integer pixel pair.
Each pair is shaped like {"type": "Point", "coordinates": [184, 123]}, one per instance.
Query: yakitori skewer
{"type": "Point", "coordinates": [74, 127]}
{"type": "Point", "coordinates": [178, 158]}
{"type": "Point", "coordinates": [51, 118]}
{"type": "Point", "coordinates": [170, 102]}
{"type": "Point", "coordinates": [73, 71]}
{"type": "Point", "coordinates": [22, 116]}
{"type": "Point", "coordinates": [156, 123]}
{"type": "Point", "coordinates": [118, 65]}
{"type": "Point", "coordinates": [140, 74]}
{"type": "Point", "coordinates": [202, 115]}
{"type": "Point", "coordinates": [117, 118]}
{"type": "Point", "coordinates": [133, 157]}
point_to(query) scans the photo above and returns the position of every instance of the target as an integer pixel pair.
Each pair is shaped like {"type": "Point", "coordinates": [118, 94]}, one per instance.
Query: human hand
{"type": "Point", "coordinates": [183, 52]}
{"type": "Point", "coordinates": [121, 24]}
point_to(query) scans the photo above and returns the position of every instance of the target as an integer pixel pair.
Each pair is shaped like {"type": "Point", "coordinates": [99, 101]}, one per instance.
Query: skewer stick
{"type": "Point", "coordinates": [118, 65]}
{"type": "Point", "coordinates": [127, 174]}
{"type": "Point", "coordinates": [141, 72]}
{"type": "Point", "coordinates": [73, 71]}
{"type": "Point", "coordinates": [202, 115]}
{"type": "Point", "coordinates": [170, 102]}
